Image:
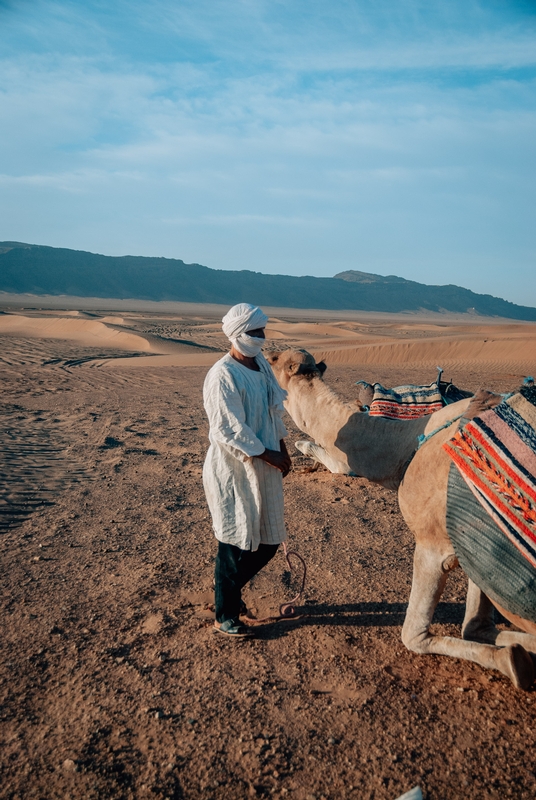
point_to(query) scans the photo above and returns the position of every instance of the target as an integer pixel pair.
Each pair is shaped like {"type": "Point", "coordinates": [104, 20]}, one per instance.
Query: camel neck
{"type": "Point", "coordinates": [375, 448]}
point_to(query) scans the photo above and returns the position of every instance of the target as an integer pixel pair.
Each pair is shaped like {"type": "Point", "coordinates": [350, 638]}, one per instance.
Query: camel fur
{"type": "Point", "coordinates": [385, 451]}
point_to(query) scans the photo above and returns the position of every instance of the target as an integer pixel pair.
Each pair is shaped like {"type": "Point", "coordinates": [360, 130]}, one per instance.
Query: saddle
{"type": "Point", "coordinates": [491, 500]}
{"type": "Point", "coordinates": [409, 401]}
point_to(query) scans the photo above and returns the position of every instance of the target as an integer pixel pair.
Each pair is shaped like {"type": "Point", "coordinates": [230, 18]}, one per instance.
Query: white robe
{"type": "Point", "coordinates": [244, 494]}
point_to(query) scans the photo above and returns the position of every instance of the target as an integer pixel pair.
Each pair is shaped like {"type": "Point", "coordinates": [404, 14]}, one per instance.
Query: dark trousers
{"type": "Point", "coordinates": [235, 568]}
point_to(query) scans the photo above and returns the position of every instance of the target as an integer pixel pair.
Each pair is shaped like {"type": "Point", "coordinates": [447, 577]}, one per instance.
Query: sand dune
{"type": "Point", "coordinates": [89, 333]}
{"type": "Point", "coordinates": [175, 341]}
{"type": "Point", "coordinates": [514, 351]}
{"type": "Point", "coordinates": [508, 348]}
{"type": "Point", "coordinates": [301, 330]}
{"type": "Point", "coordinates": [114, 320]}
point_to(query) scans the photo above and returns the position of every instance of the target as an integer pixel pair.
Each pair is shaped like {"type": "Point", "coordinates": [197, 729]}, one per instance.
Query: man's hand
{"type": "Point", "coordinates": [279, 460]}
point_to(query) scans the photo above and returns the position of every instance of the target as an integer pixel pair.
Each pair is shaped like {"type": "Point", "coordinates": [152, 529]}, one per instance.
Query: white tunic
{"type": "Point", "coordinates": [244, 494]}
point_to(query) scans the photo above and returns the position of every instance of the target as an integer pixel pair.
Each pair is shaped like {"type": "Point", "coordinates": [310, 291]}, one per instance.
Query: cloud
{"type": "Point", "coordinates": [301, 137]}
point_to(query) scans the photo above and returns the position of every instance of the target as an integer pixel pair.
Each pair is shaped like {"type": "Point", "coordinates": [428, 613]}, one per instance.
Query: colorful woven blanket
{"type": "Point", "coordinates": [495, 454]}
{"type": "Point", "coordinates": [486, 555]}
{"type": "Point", "coordinates": [409, 402]}
{"type": "Point", "coordinates": [405, 402]}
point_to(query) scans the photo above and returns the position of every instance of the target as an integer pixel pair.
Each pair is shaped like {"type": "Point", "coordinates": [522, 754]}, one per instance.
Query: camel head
{"type": "Point", "coordinates": [294, 364]}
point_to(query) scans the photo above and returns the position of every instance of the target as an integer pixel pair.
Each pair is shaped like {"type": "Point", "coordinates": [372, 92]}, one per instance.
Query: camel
{"type": "Point", "coordinates": [384, 451]}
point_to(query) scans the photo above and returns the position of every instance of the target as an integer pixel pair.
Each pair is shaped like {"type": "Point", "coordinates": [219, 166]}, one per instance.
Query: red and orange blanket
{"type": "Point", "coordinates": [496, 455]}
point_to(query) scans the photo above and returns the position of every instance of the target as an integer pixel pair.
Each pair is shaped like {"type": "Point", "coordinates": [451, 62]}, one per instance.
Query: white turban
{"type": "Point", "coordinates": [243, 318]}
{"type": "Point", "coordinates": [240, 319]}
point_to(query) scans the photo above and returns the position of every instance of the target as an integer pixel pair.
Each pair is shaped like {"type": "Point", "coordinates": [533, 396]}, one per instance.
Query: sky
{"type": "Point", "coordinates": [301, 137]}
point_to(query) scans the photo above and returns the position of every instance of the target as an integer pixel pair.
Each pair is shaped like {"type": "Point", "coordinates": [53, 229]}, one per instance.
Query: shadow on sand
{"type": "Point", "coordinates": [358, 615]}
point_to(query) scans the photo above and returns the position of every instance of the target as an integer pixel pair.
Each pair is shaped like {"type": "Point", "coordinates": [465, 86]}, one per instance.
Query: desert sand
{"type": "Point", "coordinates": [114, 684]}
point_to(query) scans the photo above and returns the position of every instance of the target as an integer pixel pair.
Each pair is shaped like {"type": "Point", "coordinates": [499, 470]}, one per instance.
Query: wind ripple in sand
{"type": "Point", "coordinates": [34, 466]}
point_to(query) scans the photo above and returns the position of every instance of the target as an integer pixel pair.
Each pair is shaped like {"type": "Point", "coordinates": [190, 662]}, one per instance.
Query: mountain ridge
{"type": "Point", "coordinates": [44, 270]}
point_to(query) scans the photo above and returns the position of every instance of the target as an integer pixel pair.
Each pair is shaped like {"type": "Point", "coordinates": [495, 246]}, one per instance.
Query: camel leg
{"type": "Point", "coordinates": [478, 624]}
{"type": "Point", "coordinates": [429, 578]}
{"type": "Point", "coordinates": [317, 453]}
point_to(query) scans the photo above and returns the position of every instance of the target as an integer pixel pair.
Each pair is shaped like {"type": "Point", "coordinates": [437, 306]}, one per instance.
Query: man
{"type": "Point", "coordinates": [245, 464]}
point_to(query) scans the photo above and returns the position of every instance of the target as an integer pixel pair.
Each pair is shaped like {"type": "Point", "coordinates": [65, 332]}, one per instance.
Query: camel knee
{"type": "Point", "coordinates": [415, 640]}
{"type": "Point", "coordinates": [429, 578]}
{"type": "Point", "coordinates": [413, 643]}
{"type": "Point", "coordinates": [318, 454]}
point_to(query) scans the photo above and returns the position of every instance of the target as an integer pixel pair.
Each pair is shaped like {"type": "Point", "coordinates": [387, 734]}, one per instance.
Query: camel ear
{"type": "Point", "coordinates": [293, 367]}
{"type": "Point", "coordinates": [272, 357]}
{"type": "Point", "coordinates": [321, 367]}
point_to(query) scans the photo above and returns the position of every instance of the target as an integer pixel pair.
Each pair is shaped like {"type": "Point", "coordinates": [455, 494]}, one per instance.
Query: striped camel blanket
{"type": "Point", "coordinates": [402, 402]}
{"type": "Point", "coordinates": [494, 468]}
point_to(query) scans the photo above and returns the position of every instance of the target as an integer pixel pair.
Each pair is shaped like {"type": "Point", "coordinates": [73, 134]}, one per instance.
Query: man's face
{"type": "Point", "coordinates": [258, 333]}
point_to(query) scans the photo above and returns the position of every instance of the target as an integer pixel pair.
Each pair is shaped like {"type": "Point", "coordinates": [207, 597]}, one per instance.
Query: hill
{"type": "Point", "coordinates": [40, 270]}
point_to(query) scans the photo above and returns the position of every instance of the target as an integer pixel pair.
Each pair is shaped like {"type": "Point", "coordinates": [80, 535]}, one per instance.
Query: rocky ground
{"type": "Point", "coordinates": [113, 682]}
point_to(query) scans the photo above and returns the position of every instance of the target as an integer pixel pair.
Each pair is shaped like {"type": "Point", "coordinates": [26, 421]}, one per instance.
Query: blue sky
{"type": "Point", "coordinates": [390, 136]}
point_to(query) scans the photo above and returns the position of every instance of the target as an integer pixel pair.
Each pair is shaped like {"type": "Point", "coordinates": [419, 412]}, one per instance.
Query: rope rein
{"type": "Point", "coordinates": [424, 437]}
{"type": "Point", "coordinates": [286, 610]}
{"type": "Point", "coordinates": [289, 609]}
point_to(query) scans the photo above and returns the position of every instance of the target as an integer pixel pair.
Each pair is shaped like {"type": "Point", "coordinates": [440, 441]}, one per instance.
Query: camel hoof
{"type": "Point", "coordinates": [517, 664]}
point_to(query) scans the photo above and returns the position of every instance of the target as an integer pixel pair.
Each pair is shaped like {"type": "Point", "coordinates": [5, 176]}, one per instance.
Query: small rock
{"type": "Point", "coordinates": [158, 715]}
{"type": "Point", "coordinates": [69, 765]}
{"type": "Point", "coordinates": [153, 623]}
{"type": "Point", "coordinates": [332, 740]}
